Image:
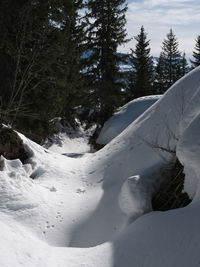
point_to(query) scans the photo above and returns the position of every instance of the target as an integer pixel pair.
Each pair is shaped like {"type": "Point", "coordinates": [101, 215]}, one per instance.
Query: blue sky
{"type": "Point", "coordinates": [158, 16]}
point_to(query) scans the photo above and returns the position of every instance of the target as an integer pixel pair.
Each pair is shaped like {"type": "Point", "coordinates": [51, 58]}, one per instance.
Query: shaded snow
{"type": "Point", "coordinates": [188, 152]}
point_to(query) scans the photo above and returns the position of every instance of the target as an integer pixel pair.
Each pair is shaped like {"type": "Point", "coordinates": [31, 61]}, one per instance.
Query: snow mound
{"type": "Point", "coordinates": [134, 196]}
{"type": "Point", "coordinates": [124, 116]}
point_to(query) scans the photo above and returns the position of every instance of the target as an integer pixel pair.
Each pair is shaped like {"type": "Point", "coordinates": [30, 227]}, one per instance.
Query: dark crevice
{"type": "Point", "coordinates": [169, 194]}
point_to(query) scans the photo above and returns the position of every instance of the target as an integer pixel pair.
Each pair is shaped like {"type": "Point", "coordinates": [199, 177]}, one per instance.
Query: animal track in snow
{"type": "Point", "coordinates": [80, 190]}
{"type": "Point", "coordinates": [58, 216]}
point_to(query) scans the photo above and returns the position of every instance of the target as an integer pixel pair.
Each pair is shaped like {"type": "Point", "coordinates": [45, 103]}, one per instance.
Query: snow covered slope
{"type": "Point", "coordinates": [124, 116]}
{"type": "Point", "coordinates": [95, 211]}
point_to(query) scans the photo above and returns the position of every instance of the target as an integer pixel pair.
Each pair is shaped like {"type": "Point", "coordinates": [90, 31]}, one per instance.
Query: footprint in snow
{"type": "Point", "coordinates": [91, 172]}
{"type": "Point", "coordinates": [59, 217]}
{"type": "Point", "coordinates": [53, 189]}
{"type": "Point", "coordinates": [80, 190]}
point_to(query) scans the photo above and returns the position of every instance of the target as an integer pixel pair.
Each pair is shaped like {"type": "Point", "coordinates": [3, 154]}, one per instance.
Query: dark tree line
{"type": "Point", "coordinates": [59, 58]}
{"type": "Point", "coordinates": [38, 62]}
{"type": "Point", "coordinates": [43, 70]}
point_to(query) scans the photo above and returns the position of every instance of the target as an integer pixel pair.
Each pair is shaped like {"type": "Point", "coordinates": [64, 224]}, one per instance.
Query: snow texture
{"type": "Point", "coordinates": [125, 116]}
{"type": "Point", "coordinates": [69, 140]}
{"type": "Point", "coordinates": [95, 210]}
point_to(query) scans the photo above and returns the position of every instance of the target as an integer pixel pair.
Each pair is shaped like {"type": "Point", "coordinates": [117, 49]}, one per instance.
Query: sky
{"type": "Point", "coordinates": [158, 17]}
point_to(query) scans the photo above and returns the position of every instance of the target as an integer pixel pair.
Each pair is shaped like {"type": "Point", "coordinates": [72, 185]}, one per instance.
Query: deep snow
{"type": "Point", "coordinates": [89, 211]}
{"type": "Point", "coordinates": [125, 116]}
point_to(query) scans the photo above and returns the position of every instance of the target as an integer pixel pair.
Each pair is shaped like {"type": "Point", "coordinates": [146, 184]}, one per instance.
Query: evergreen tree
{"type": "Point", "coordinates": [40, 58]}
{"type": "Point", "coordinates": [183, 67]}
{"type": "Point", "coordinates": [160, 76]}
{"type": "Point", "coordinates": [26, 46]}
{"type": "Point", "coordinates": [196, 54]}
{"type": "Point", "coordinates": [141, 76]}
{"type": "Point", "coordinates": [106, 20]}
{"type": "Point", "coordinates": [170, 65]}
{"type": "Point", "coordinates": [71, 61]}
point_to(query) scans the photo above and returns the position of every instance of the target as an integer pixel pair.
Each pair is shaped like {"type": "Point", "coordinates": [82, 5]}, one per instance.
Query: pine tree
{"type": "Point", "coordinates": [71, 61]}
{"type": "Point", "coordinates": [183, 67]}
{"type": "Point", "coordinates": [141, 77]}
{"type": "Point", "coordinates": [196, 54]}
{"type": "Point", "coordinates": [106, 19]}
{"type": "Point", "coordinates": [160, 76]}
{"type": "Point", "coordinates": [172, 62]}
{"type": "Point", "coordinates": [41, 52]}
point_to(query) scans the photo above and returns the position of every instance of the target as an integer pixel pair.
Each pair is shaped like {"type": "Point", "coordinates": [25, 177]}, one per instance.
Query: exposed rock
{"type": "Point", "coordinates": [11, 145]}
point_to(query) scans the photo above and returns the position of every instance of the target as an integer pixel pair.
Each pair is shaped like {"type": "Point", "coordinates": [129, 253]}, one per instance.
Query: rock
{"type": "Point", "coordinates": [11, 145]}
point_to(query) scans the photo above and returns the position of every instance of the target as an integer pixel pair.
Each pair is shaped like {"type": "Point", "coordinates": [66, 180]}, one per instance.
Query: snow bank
{"type": "Point", "coordinates": [135, 152]}
{"type": "Point", "coordinates": [124, 116]}
{"type": "Point", "coordinates": [188, 152]}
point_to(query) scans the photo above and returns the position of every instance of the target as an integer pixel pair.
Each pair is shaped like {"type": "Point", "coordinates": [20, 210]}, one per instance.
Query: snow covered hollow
{"type": "Point", "coordinates": [125, 116]}
{"type": "Point", "coordinates": [59, 211]}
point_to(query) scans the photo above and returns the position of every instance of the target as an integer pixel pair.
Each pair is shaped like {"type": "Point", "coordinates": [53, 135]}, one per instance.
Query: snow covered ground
{"type": "Point", "coordinates": [125, 116]}
{"type": "Point", "coordinates": [95, 211]}
{"type": "Point", "coordinates": [70, 140]}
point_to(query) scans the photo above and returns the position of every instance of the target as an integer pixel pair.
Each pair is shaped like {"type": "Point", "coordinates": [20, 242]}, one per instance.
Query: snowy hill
{"type": "Point", "coordinates": [96, 211]}
{"type": "Point", "coordinates": [124, 116]}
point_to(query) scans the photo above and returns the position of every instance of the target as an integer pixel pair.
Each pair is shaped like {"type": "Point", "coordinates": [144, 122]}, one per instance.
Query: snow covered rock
{"type": "Point", "coordinates": [135, 196]}
{"type": "Point", "coordinates": [125, 116]}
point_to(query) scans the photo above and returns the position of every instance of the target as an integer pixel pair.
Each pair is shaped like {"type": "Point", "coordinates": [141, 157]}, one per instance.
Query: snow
{"type": "Point", "coordinates": [134, 198]}
{"type": "Point", "coordinates": [188, 152]}
{"type": "Point", "coordinates": [125, 116]}
{"type": "Point", "coordinates": [70, 140]}
{"type": "Point", "coordinates": [95, 210]}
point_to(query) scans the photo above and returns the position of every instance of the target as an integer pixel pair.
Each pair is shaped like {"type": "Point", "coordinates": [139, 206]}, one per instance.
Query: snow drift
{"type": "Point", "coordinates": [90, 211]}
{"type": "Point", "coordinates": [124, 116]}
